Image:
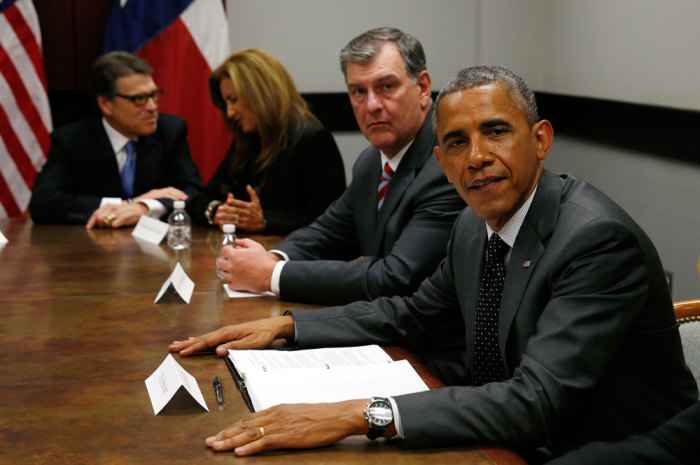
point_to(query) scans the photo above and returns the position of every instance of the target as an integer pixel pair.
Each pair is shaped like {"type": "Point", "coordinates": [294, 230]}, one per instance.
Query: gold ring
{"type": "Point", "coordinates": [111, 217]}
{"type": "Point", "coordinates": [262, 432]}
{"type": "Point", "coordinates": [235, 218]}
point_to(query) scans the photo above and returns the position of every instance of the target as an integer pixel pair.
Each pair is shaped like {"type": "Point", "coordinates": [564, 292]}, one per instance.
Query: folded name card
{"type": "Point", "coordinates": [150, 229]}
{"type": "Point", "coordinates": [231, 294]}
{"type": "Point", "coordinates": [170, 381]}
{"type": "Point", "coordinates": [177, 288]}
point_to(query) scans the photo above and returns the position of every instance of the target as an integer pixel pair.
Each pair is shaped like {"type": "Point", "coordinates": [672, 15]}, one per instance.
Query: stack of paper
{"type": "Point", "coordinates": [271, 377]}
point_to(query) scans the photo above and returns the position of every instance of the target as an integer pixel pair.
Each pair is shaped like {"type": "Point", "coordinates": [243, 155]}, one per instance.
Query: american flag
{"type": "Point", "coordinates": [25, 117]}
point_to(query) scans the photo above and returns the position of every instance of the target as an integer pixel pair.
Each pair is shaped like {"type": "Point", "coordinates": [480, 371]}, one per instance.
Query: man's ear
{"type": "Point", "coordinates": [544, 134]}
{"type": "Point", "coordinates": [105, 105]}
{"type": "Point", "coordinates": [424, 84]}
{"type": "Point", "coordinates": [436, 149]}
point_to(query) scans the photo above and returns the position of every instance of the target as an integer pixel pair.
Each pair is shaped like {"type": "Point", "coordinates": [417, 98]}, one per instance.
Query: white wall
{"type": "Point", "coordinates": [642, 51]}
{"type": "Point", "coordinates": [307, 35]}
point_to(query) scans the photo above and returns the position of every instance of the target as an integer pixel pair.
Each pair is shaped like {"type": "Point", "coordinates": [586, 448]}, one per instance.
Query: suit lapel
{"type": "Point", "coordinates": [413, 161]}
{"type": "Point", "coordinates": [468, 284]}
{"type": "Point", "coordinates": [529, 247]}
{"type": "Point", "coordinates": [147, 164]}
{"type": "Point", "coordinates": [104, 160]}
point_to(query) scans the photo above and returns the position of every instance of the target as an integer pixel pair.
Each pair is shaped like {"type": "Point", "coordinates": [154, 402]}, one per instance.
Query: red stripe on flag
{"type": "Point", "coordinates": [24, 101]}
{"type": "Point", "coordinates": [17, 152]}
{"type": "Point", "coordinates": [8, 200]}
{"type": "Point", "coordinates": [180, 69]}
{"type": "Point", "coordinates": [26, 37]}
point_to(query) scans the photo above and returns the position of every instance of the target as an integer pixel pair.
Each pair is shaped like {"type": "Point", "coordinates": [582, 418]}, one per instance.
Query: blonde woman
{"type": "Point", "coordinates": [283, 168]}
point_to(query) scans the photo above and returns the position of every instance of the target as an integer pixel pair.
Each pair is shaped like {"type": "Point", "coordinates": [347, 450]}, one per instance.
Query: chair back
{"type": "Point", "coordinates": [688, 316]}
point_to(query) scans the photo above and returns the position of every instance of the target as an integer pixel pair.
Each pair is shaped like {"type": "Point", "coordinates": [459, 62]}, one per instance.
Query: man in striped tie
{"type": "Point", "coordinates": [106, 171]}
{"type": "Point", "coordinates": [388, 230]}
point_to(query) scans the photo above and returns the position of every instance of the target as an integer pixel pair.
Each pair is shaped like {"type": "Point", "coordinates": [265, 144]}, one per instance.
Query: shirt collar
{"type": "Point", "coordinates": [509, 231]}
{"type": "Point", "coordinates": [116, 138]}
{"type": "Point", "coordinates": [396, 159]}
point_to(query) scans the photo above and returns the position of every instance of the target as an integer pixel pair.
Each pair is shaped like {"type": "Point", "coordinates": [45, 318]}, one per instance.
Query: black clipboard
{"type": "Point", "coordinates": [240, 381]}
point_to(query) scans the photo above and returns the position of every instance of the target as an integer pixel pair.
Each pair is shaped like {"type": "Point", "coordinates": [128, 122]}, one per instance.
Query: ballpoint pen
{"type": "Point", "coordinates": [219, 390]}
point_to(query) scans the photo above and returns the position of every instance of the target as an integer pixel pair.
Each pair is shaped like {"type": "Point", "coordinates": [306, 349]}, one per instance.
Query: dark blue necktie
{"type": "Point", "coordinates": [129, 169]}
{"type": "Point", "coordinates": [488, 366]}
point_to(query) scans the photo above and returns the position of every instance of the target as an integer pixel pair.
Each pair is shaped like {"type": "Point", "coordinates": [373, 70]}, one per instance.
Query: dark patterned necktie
{"type": "Point", "coordinates": [387, 173]}
{"type": "Point", "coordinates": [129, 169]}
{"type": "Point", "coordinates": [488, 366]}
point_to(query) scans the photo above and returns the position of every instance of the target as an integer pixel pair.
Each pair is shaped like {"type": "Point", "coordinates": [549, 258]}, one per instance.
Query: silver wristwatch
{"type": "Point", "coordinates": [379, 416]}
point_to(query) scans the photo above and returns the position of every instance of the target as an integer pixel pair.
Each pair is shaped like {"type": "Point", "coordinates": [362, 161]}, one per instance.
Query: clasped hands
{"type": "Point", "coordinates": [128, 214]}
{"type": "Point", "coordinates": [248, 266]}
{"type": "Point", "coordinates": [245, 215]}
{"type": "Point", "coordinates": [285, 425]}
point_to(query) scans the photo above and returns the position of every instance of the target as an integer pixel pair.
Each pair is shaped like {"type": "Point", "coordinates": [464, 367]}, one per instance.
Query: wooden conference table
{"type": "Point", "coordinates": [80, 333]}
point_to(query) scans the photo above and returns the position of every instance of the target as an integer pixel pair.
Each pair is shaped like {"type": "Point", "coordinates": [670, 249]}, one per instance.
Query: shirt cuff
{"type": "Point", "coordinates": [110, 201]}
{"type": "Point", "coordinates": [275, 279]}
{"type": "Point", "coordinates": [284, 256]}
{"type": "Point", "coordinates": [155, 208]}
{"type": "Point", "coordinates": [397, 418]}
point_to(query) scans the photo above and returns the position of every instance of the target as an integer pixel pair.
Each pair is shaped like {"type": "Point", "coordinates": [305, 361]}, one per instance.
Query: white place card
{"type": "Point", "coordinates": [238, 294]}
{"type": "Point", "coordinates": [178, 287]}
{"type": "Point", "coordinates": [3, 239]}
{"type": "Point", "coordinates": [110, 201]}
{"type": "Point", "coordinates": [170, 379]}
{"type": "Point", "coordinates": [150, 229]}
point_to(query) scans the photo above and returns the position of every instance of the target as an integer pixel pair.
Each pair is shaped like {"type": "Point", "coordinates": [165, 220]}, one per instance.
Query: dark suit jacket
{"type": "Point", "coordinates": [298, 186]}
{"type": "Point", "coordinates": [82, 168]}
{"type": "Point", "coordinates": [587, 331]}
{"type": "Point", "coordinates": [676, 442]}
{"type": "Point", "coordinates": [398, 248]}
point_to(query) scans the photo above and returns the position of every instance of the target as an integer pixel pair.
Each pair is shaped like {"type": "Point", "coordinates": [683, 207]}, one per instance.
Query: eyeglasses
{"type": "Point", "coordinates": [141, 99]}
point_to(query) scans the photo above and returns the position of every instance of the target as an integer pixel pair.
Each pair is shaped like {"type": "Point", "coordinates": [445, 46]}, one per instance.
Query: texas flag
{"type": "Point", "coordinates": [183, 40]}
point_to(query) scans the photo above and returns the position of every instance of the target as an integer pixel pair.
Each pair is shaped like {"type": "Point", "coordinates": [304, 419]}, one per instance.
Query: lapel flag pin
{"type": "Point", "coordinates": [526, 263]}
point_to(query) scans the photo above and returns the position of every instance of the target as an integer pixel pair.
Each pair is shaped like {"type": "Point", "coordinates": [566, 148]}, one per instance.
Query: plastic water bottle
{"type": "Point", "coordinates": [229, 239]}
{"type": "Point", "coordinates": [180, 227]}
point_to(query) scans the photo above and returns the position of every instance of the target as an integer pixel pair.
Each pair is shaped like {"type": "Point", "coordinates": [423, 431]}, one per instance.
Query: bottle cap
{"type": "Point", "coordinates": [179, 204]}
{"type": "Point", "coordinates": [229, 228]}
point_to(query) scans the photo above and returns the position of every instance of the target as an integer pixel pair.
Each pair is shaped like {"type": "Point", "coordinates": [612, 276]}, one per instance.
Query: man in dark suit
{"type": "Point", "coordinates": [108, 171]}
{"type": "Point", "coordinates": [555, 295]}
{"type": "Point", "coordinates": [371, 241]}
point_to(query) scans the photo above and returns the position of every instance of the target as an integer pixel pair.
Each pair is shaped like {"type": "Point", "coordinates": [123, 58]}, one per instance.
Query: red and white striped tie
{"type": "Point", "coordinates": [384, 185]}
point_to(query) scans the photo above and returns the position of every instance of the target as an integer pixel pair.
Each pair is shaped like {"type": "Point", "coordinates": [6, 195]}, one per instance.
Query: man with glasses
{"type": "Point", "coordinates": [108, 171]}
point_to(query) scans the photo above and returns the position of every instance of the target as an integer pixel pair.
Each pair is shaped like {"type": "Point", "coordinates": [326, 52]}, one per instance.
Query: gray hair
{"type": "Point", "coordinates": [113, 65]}
{"type": "Point", "coordinates": [365, 47]}
{"type": "Point", "coordinates": [478, 76]}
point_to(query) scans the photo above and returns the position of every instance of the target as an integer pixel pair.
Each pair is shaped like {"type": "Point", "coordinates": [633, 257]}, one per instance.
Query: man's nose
{"type": "Point", "coordinates": [374, 102]}
{"type": "Point", "coordinates": [478, 155]}
{"type": "Point", "coordinates": [151, 104]}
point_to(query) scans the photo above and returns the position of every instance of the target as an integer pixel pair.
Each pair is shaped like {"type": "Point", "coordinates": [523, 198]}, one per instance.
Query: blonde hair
{"type": "Point", "coordinates": [267, 89]}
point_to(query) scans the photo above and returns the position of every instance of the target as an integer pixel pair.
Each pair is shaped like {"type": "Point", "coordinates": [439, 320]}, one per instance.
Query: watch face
{"type": "Point", "coordinates": [380, 413]}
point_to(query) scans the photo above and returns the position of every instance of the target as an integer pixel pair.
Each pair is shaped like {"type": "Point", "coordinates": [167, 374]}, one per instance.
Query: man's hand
{"type": "Point", "coordinates": [248, 267]}
{"type": "Point", "coordinates": [116, 216]}
{"type": "Point", "coordinates": [169, 192]}
{"type": "Point", "coordinates": [252, 335]}
{"type": "Point", "coordinates": [245, 215]}
{"type": "Point", "coordinates": [297, 426]}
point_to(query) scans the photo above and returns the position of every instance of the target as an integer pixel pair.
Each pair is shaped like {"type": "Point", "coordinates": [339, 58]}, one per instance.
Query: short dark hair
{"type": "Point", "coordinates": [113, 65]}
{"type": "Point", "coordinates": [477, 76]}
{"type": "Point", "coordinates": [366, 46]}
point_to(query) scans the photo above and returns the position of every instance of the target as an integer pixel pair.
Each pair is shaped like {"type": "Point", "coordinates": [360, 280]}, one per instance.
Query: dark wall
{"type": "Point", "coordinates": [71, 33]}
